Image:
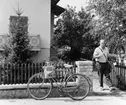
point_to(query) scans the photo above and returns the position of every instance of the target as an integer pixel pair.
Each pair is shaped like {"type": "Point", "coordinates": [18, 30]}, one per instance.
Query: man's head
{"type": "Point", "coordinates": [102, 43]}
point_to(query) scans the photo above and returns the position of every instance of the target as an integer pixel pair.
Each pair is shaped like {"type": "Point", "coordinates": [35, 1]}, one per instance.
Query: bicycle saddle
{"type": "Point", "coordinates": [68, 66]}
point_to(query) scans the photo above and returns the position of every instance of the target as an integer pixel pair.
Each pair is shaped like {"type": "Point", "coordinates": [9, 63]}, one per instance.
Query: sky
{"type": "Point", "coordinates": [77, 3]}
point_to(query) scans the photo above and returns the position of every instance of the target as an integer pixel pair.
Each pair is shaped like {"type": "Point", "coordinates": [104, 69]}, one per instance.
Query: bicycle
{"type": "Point", "coordinates": [76, 85]}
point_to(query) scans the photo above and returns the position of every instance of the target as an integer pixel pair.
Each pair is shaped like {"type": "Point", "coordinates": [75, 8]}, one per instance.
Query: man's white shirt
{"type": "Point", "coordinates": [99, 52]}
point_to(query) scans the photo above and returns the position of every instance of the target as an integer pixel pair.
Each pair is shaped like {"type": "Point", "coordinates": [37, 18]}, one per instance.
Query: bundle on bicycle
{"type": "Point", "coordinates": [40, 85]}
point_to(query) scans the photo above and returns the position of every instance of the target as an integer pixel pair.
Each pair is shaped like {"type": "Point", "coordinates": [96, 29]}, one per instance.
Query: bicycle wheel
{"type": "Point", "coordinates": [38, 87]}
{"type": "Point", "coordinates": [79, 86]}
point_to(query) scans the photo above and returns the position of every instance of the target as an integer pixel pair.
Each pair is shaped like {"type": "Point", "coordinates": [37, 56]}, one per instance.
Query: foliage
{"type": "Point", "coordinates": [73, 32]}
{"type": "Point", "coordinates": [18, 49]}
{"type": "Point", "coordinates": [110, 22]}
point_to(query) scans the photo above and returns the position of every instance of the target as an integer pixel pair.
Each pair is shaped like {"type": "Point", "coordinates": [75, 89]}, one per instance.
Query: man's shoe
{"type": "Point", "coordinates": [101, 89]}
{"type": "Point", "coordinates": [112, 88]}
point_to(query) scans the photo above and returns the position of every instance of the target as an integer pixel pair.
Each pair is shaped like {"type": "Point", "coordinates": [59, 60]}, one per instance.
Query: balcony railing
{"type": "Point", "coordinates": [34, 41]}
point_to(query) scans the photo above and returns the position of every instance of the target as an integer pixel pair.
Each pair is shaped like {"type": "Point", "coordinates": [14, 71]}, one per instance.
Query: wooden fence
{"type": "Point", "coordinates": [118, 76]}
{"type": "Point", "coordinates": [20, 73]}
{"type": "Point", "coordinates": [13, 74]}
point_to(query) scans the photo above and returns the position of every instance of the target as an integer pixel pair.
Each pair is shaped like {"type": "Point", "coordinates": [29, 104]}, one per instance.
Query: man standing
{"type": "Point", "coordinates": [101, 54]}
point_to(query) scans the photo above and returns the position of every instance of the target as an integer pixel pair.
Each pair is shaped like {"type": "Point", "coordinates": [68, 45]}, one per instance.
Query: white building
{"type": "Point", "coordinates": [41, 19]}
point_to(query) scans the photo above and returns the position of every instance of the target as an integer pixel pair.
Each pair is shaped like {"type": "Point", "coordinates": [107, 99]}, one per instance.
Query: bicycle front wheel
{"type": "Point", "coordinates": [79, 86]}
{"type": "Point", "coordinates": [38, 87]}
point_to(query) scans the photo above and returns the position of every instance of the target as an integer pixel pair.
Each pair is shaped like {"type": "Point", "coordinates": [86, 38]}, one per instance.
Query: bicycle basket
{"type": "Point", "coordinates": [49, 72]}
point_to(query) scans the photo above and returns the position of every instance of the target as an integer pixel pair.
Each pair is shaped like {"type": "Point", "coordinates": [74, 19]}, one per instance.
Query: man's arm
{"type": "Point", "coordinates": [113, 55]}
{"type": "Point", "coordinates": [96, 53]}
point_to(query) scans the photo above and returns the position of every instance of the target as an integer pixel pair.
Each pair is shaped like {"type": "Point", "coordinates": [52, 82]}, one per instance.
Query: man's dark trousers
{"type": "Point", "coordinates": [102, 70]}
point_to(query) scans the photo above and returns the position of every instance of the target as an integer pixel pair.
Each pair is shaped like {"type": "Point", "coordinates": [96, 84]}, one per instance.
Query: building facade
{"type": "Point", "coordinates": [41, 21]}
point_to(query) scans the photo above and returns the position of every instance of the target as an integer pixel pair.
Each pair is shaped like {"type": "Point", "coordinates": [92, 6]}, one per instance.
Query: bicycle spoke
{"type": "Point", "coordinates": [82, 88]}
{"type": "Point", "coordinates": [38, 90]}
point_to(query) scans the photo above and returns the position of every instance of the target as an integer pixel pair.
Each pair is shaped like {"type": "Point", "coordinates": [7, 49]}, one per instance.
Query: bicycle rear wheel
{"type": "Point", "coordinates": [38, 87]}
{"type": "Point", "coordinates": [80, 86]}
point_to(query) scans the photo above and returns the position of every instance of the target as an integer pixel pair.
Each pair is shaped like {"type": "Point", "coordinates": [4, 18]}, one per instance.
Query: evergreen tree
{"type": "Point", "coordinates": [19, 43]}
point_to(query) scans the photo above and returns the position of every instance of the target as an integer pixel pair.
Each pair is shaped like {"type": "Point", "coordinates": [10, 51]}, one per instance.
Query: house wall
{"type": "Point", "coordinates": [52, 25]}
{"type": "Point", "coordinates": [38, 12]}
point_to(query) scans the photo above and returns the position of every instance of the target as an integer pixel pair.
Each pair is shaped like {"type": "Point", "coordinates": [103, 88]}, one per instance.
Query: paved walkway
{"type": "Point", "coordinates": [118, 94]}
{"type": "Point", "coordinates": [91, 100]}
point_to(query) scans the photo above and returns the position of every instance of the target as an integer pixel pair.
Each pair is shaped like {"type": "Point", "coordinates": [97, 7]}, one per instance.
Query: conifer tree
{"type": "Point", "coordinates": [20, 49]}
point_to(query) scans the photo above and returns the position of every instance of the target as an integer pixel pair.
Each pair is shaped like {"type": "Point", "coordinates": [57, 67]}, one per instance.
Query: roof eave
{"type": "Point", "coordinates": [57, 10]}
{"type": "Point", "coordinates": [54, 2]}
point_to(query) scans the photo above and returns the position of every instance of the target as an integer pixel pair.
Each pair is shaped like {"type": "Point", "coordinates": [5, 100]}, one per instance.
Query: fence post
{"type": "Point", "coordinates": [119, 76]}
{"type": "Point", "coordinates": [85, 67]}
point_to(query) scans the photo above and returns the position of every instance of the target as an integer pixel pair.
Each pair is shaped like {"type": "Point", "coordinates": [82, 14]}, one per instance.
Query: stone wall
{"type": "Point", "coordinates": [86, 68]}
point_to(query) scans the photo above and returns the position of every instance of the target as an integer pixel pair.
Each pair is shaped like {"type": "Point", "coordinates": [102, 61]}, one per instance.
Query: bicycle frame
{"type": "Point", "coordinates": [61, 85]}
{"type": "Point", "coordinates": [62, 81]}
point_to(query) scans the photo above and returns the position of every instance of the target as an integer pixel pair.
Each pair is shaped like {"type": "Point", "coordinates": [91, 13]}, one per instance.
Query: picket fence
{"type": "Point", "coordinates": [17, 75]}
{"type": "Point", "coordinates": [11, 74]}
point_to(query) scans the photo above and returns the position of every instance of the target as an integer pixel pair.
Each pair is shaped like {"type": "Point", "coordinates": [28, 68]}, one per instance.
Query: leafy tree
{"type": "Point", "coordinates": [73, 33]}
{"type": "Point", "coordinates": [19, 49]}
{"type": "Point", "coordinates": [110, 22]}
